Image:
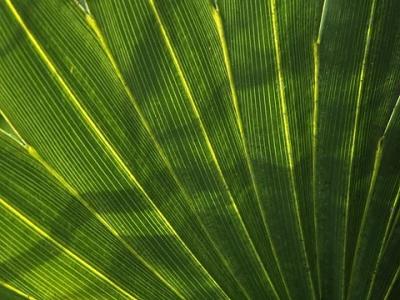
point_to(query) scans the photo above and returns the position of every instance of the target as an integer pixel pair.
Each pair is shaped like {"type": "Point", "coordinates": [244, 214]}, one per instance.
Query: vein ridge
{"type": "Point", "coordinates": [16, 290]}
{"type": "Point", "coordinates": [288, 142]}
{"type": "Point", "coordinates": [239, 123]}
{"type": "Point", "coordinates": [59, 245]}
{"type": "Point", "coordinates": [353, 141]}
{"type": "Point", "coordinates": [204, 132]}
{"type": "Point", "coordinates": [94, 128]}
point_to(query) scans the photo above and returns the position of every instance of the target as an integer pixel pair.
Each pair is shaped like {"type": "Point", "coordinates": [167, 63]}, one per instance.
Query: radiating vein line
{"type": "Point", "coordinates": [375, 172]}
{"type": "Point", "coordinates": [75, 194]}
{"type": "Point", "coordinates": [82, 5]}
{"type": "Point", "coordinates": [93, 25]}
{"type": "Point", "coordinates": [395, 111]}
{"type": "Point", "coordinates": [2, 114]}
{"type": "Point", "coordinates": [314, 154]}
{"type": "Point", "coordinates": [353, 138]}
{"type": "Point", "coordinates": [15, 290]}
{"type": "Point", "coordinates": [95, 129]}
{"type": "Point", "coordinates": [62, 247]}
{"type": "Point", "coordinates": [394, 221]}
{"type": "Point", "coordinates": [314, 140]}
{"type": "Point", "coordinates": [383, 246]}
{"type": "Point", "coordinates": [391, 286]}
{"type": "Point", "coordinates": [376, 168]}
{"type": "Point", "coordinates": [228, 65]}
{"type": "Point", "coordinates": [288, 142]}
{"type": "Point", "coordinates": [9, 135]}
{"type": "Point", "coordinates": [190, 97]}
{"type": "Point", "coordinates": [322, 20]}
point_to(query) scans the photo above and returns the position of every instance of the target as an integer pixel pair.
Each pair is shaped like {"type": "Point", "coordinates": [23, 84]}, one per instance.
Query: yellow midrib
{"type": "Point", "coordinates": [288, 142]}
{"type": "Point", "coordinates": [228, 65]}
{"type": "Point", "coordinates": [214, 158]}
{"type": "Point", "coordinates": [74, 256]}
{"type": "Point", "coordinates": [74, 193]}
{"type": "Point", "coordinates": [93, 24]}
{"type": "Point", "coordinates": [353, 145]}
{"type": "Point", "coordinates": [16, 290]}
{"type": "Point", "coordinates": [92, 125]}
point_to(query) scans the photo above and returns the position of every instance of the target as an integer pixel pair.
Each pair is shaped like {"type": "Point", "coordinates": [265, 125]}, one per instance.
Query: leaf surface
{"type": "Point", "coordinates": [160, 149]}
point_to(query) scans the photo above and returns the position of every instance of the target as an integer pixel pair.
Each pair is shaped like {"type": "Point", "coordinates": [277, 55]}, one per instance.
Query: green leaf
{"type": "Point", "coordinates": [162, 149]}
{"type": "Point", "coordinates": [8, 292]}
{"type": "Point", "coordinates": [378, 244]}
{"type": "Point", "coordinates": [36, 199]}
{"type": "Point", "coordinates": [357, 93]}
{"type": "Point", "coordinates": [4, 125]}
{"type": "Point", "coordinates": [80, 145]}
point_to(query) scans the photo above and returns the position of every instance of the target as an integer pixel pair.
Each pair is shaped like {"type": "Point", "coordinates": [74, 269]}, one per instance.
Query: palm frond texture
{"type": "Point", "coordinates": [176, 149]}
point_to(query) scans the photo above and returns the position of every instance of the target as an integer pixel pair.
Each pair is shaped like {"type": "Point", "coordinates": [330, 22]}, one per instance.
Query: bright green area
{"type": "Point", "coordinates": [171, 149]}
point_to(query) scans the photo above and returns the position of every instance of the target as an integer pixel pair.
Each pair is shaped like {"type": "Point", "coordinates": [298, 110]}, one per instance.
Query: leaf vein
{"type": "Point", "coordinates": [190, 97]}
{"type": "Point", "coordinates": [288, 142]}
{"type": "Point", "coordinates": [59, 245]}
{"type": "Point", "coordinates": [95, 129]}
{"type": "Point", "coordinates": [353, 141]}
{"type": "Point", "coordinates": [228, 65]}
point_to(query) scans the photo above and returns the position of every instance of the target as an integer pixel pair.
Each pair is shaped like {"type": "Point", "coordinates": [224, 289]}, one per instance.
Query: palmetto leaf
{"type": "Point", "coordinates": [162, 149]}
